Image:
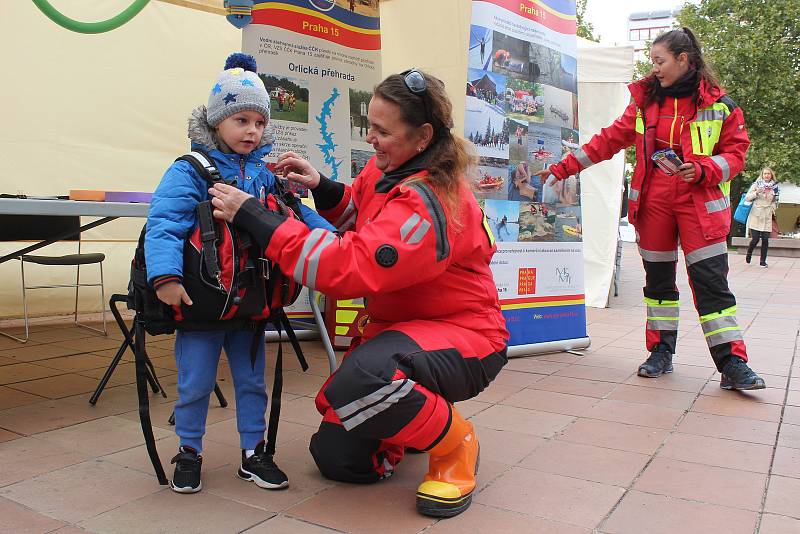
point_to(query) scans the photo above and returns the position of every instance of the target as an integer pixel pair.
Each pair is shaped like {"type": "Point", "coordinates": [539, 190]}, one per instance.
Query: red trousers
{"type": "Point", "coordinates": [395, 390]}
{"type": "Point", "coordinates": [667, 217]}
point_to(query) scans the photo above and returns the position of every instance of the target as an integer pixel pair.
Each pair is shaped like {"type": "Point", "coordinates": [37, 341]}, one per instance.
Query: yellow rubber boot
{"type": "Point", "coordinates": [447, 488]}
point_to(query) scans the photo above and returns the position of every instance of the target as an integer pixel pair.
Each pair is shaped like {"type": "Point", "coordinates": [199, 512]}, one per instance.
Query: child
{"type": "Point", "coordinates": [231, 130]}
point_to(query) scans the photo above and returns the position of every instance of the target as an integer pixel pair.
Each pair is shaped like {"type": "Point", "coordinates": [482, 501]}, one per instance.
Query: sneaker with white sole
{"type": "Point", "coordinates": [186, 478]}
{"type": "Point", "coordinates": [261, 469]}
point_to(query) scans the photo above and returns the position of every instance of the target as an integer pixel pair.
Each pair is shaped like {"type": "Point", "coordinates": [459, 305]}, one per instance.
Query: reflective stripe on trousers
{"type": "Point", "coordinates": [662, 314]}
{"type": "Point", "coordinates": [721, 327]}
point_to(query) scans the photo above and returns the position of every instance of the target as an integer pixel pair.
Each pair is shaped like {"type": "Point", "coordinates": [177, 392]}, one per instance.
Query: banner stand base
{"type": "Point", "coordinates": [562, 345]}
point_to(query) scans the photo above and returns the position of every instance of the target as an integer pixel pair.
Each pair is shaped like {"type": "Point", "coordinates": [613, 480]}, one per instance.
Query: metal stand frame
{"type": "Point", "coordinates": [130, 343]}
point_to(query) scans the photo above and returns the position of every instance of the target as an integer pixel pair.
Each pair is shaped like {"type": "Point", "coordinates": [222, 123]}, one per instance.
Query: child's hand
{"type": "Point", "coordinates": [172, 294]}
{"type": "Point", "coordinates": [297, 169]}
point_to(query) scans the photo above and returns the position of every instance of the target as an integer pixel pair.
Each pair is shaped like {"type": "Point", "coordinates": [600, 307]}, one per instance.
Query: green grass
{"type": "Point", "coordinates": [537, 117]}
{"type": "Point", "coordinates": [518, 152]}
{"type": "Point", "coordinates": [300, 113]}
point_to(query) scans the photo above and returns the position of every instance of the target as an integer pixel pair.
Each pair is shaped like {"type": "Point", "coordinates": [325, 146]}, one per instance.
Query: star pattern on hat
{"type": "Point", "coordinates": [230, 97]}
{"type": "Point", "coordinates": [216, 89]}
{"type": "Point", "coordinates": [248, 83]}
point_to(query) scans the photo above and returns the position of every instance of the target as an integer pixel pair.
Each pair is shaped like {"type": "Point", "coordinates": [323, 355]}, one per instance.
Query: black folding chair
{"type": "Point", "coordinates": [129, 343]}
{"type": "Point", "coordinates": [50, 229]}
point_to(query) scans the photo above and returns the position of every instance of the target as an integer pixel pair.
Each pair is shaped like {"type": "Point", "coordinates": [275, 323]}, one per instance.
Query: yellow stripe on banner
{"type": "Point", "coordinates": [346, 316]}
{"type": "Point", "coordinates": [317, 14]}
{"type": "Point", "coordinates": [550, 10]}
{"type": "Point", "coordinates": [541, 304]}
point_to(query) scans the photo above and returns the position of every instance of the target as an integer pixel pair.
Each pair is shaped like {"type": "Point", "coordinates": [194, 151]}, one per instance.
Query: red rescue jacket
{"type": "Point", "coordinates": [714, 138]}
{"type": "Point", "coordinates": [399, 249]}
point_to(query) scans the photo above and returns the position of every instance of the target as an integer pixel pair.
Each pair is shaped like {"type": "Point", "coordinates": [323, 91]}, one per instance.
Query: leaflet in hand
{"type": "Point", "coordinates": [667, 160]}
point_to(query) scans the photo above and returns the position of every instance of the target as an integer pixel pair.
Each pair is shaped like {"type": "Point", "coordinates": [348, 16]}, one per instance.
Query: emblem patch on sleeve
{"type": "Point", "coordinates": [386, 255]}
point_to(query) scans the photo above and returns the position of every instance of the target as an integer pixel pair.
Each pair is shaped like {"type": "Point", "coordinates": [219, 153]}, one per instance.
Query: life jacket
{"type": "Point", "coordinates": [232, 284]}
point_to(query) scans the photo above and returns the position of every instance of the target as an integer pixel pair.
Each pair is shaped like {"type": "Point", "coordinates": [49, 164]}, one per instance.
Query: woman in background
{"type": "Point", "coordinates": [764, 195]}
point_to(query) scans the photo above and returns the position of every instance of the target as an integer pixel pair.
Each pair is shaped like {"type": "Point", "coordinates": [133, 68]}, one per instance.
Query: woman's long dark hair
{"type": "Point", "coordinates": [679, 41]}
{"type": "Point", "coordinates": [448, 157]}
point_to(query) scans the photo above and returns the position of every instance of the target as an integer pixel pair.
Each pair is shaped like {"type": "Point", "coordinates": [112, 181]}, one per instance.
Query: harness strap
{"type": "Point", "coordinates": [279, 318]}
{"type": "Point", "coordinates": [203, 164]}
{"type": "Point", "coordinates": [275, 398]}
{"type": "Point", "coordinates": [208, 238]}
{"type": "Point", "coordinates": [140, 357]}
{"type": "Point", "coordinates": [293, 339]}
{"type": "Point", "coordinates": [288, 199]}
{"type": "Point", "coordinates": [258, 337]}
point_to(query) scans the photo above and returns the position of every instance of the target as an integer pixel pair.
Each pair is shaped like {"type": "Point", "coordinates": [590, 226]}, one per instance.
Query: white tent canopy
{"type": "Point", "coordinates": [114, 107]}
{"type": "Point", "coordinates": [790, 193]}
{"type": "Point", "coordinates": [603, 75]}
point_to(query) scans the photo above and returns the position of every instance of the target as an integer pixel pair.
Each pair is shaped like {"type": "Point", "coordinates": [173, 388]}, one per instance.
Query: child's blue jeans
{"type": "Point", "coordinates": [197, 355]}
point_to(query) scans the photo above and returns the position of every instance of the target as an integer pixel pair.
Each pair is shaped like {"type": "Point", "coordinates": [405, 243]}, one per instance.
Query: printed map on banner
{"type": "Point", "coordinates": [522, 115]}
{"type": "Point", "coordinates": [319, 60]}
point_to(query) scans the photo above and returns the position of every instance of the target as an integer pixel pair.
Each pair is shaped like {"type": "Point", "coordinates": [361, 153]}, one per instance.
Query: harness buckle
{"type": "Point", "coordinates": [265, 269]}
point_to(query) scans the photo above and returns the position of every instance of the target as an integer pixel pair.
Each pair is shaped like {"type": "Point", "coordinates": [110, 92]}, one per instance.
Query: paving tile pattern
{"type": "Point", "coordinates": [571, 443]}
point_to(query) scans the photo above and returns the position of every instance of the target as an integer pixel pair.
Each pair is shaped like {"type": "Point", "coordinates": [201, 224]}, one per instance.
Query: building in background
{"type": "Point", "coordinates": [645, 26]}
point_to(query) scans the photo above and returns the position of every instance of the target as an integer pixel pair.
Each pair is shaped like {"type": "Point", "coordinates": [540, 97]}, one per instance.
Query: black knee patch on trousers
{"type": "Point", "coordinates": [343, 456]}
{"type": "Point", "coordinates": [660, 280]}
{"type": "Point", "coordinates": [709, 279]}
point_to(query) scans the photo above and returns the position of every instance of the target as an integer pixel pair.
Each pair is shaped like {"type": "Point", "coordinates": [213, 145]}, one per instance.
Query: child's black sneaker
{"type": "Point", "coordinates": [186, 478]}
{"type": "Point", "coordinates": [261, 469]}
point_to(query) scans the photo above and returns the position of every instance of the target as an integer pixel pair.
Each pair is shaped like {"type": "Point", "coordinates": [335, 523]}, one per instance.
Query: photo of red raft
{"type": "Point", "coordinates": [488, 181]}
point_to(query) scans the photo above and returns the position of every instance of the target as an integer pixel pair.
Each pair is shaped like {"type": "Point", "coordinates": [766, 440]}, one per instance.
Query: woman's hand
{"type": "Point", "coordinates": [297, 169]}
{"type": "Point", "coordinates": [172, 294]}
{"type": "Point", "coordinates": [688, 173]}
{"type": "Point", "coordinates": [545, 175]}
{"type": "Point", "coordinates": [227, 201]}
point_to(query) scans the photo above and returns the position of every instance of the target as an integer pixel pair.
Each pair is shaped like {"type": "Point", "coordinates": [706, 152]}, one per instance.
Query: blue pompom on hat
{"type": "Point", "coordinates": [238, 88]}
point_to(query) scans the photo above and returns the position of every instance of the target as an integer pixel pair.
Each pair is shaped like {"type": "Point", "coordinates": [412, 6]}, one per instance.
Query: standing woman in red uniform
{"type": "Point", "coordinates": [680, 106]}
{"type": "Point", "coordinates": [413, 241]}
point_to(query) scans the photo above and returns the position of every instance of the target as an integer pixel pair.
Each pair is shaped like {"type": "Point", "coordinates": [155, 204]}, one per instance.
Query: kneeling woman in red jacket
{"type": "Point", "coordinates": [680, 106]}
{"type": "Point", "coordinates": [415, 243]}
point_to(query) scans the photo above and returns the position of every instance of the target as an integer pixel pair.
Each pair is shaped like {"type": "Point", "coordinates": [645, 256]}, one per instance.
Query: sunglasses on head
{"type": "Point", "coordinates": [415, 82]}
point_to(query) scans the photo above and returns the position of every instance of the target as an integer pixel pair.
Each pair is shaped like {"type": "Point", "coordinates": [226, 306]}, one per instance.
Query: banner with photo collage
{"type": "Point", "coordinates": [522, 114]}
{"type": "Point", "coordinates": [319, 60]}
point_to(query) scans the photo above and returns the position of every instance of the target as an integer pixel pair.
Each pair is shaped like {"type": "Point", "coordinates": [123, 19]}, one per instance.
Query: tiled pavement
{"type": "Point", "coordinates": [570, 443]}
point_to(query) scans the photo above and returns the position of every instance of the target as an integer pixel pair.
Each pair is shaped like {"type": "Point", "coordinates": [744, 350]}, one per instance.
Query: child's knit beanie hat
{"type": "Point", "coordinates": [238, 88]}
